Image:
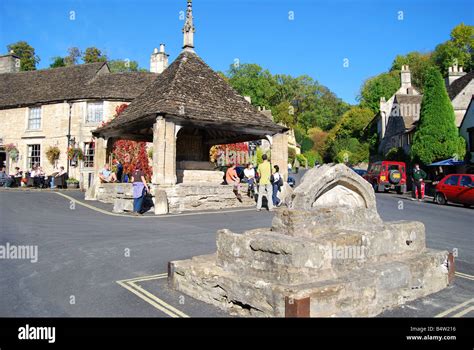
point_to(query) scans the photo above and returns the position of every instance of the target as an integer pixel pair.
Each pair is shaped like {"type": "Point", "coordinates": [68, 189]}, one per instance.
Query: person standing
{"type": "Point", "coordinates": [265, 185]}
{"type": "Point", "coordinates": [119, 171]}
{"type": "Point", "coordinates": [140, 188]}
{"type": "Point", "coordinates": [277, 182]}
{"type": "Point", "coordinates": [418, 178]}
{"type": "Point", "coordinates": [297, 165]}
{"type": "Point", "coordinates": [233, 179]}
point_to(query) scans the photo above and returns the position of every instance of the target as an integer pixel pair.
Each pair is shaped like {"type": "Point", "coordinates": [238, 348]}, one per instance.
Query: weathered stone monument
{"type": "Point", "coordinates": [327, 254]}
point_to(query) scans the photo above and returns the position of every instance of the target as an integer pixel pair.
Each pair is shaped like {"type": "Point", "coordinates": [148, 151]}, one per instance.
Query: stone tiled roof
{"type": "Point", "coordinates": [84, 81]}
{"type": "Point", "coordinates": [190, 91]}
{"type": "Point", "coordinates": [409, 108]}
{"type": "Point", "coordinates": [459, 84]}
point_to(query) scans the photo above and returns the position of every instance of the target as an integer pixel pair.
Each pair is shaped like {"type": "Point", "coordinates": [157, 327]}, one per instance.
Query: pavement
{"type": "Point", "coordinates": [93, 263]}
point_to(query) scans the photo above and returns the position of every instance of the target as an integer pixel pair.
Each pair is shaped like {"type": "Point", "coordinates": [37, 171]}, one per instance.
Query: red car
{"type": "Point", "coordinates": [456, 188]}
{"type": "Point", "coordinates": [387, 175]}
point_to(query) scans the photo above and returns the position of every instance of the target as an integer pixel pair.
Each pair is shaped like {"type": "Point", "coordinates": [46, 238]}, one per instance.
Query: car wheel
{"type": "Point", "coordinates": [467, 205]}
{"type": "Point", "coordinates": [440, 199]}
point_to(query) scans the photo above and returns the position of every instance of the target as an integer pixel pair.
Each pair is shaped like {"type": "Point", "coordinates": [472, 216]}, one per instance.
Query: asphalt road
{"type": "Point", "coordinates": [82, 254]}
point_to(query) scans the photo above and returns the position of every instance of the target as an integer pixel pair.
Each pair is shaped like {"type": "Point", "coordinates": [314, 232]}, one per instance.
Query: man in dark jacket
{"type": "Point", "coordinates": [418, 177]}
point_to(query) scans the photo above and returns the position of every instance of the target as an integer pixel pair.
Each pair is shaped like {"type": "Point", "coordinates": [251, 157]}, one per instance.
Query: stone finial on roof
{"type": "Point", "coordinates": [188, 29]}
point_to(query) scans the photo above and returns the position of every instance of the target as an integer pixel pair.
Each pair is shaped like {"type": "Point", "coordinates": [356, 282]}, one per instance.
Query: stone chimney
{"type": "Point", "coordinates": [9, 63]}
{"type": "Point", "coordinates": [159, 60]}
{"type": "Point", "coordinates": [405, 77]}
{"type": "Point", "coordinates": [454, 73]}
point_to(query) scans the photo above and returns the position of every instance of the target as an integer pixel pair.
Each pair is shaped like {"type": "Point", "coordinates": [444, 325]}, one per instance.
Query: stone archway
{"type": "Point", "coordinates": [337, 185]}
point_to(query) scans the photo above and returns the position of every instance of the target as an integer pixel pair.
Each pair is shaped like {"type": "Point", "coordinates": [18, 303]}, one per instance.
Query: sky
{"type": "Point", "coordinates": [339, 43]}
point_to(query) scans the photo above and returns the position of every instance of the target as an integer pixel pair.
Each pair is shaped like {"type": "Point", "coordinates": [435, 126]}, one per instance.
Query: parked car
{"type": "Point", "coordinates": [387, 175]}
{"type": "Point", "coordinates": [456, 188]}
{"type": "Point", "coordinates": [360, 172]}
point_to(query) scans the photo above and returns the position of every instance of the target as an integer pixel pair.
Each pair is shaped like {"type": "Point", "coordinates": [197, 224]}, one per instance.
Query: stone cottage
{"type": "Point", "coordinates": [60, 107]}
{"type": "Point", "coordinates": [398, 115]}
{"type": "Point", "coordinates": [466, 129]}
{"type": "Point", "coordinates": [460, 87]}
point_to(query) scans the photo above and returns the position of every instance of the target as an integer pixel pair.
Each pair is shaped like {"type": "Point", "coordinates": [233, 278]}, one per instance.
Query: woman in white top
{"type": "Point", "coordinates": [249, 174]}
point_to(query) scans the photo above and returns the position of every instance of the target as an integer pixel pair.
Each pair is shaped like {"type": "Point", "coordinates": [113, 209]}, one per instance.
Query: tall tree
{"type": "Point", "coordinates": [93, 54]}
{"type": "Point", "coordinates": [252, 80]}
{"type": "Point", "coordinates": [419, 64]}
{"type": "Point", "coordinates": [26, 53]}
{"type": "Point", "coordinates": [73, 55]}
{"type": "Point", "coordinates": [459, 49]}
{"type": "Point", "coordinates": [382, 85]}
{"type": "Point", "coordinates": [349, 137]}
{"type": "Point", "coordinates": [437, 136]}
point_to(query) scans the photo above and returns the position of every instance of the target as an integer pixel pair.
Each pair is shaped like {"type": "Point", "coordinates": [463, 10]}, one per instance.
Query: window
{"type": "Point", "coordinates": [34, 118]}
{"type": "Point", "coordinates": [466, 181]}
{"type": "Point", "coordinates": [34, 155]}
{"type": "Point", "coordinates": [95, 112]}
{"type": "Point", "coordinates": [452, 181]}
{"type": "Point", "coordinates": [471, 139]}
{"type": "Point", "coordinates": [89, 155]}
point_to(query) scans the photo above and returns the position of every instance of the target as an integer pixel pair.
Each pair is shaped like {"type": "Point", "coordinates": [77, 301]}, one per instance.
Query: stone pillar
{"type": "Point", "coordinates": [164, 152]}
{"type": "Point", "coordinates": [100, 155]}
{"type": "Point", "coordinates": [280, 153]}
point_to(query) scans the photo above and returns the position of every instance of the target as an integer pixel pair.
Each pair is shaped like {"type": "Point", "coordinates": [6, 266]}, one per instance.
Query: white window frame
{"type": "Point", "coordinates": [28, 118]}
{"type": "Point", "coordinates": [85, 148]}
{"type": "Point", "coordinates": [94, 105]}
{"type": "Point", "coordinates": [29, 156]}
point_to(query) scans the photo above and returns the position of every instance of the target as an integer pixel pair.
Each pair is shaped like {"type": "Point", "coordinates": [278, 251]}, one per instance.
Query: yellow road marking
{"type": "Point", "coordinates": [150, 216]}
{"type": "Point", "coordinates": [150, 298]}
{"type": "Point", "coordinates": [464, 275]}
{"type": "Point", "coordinates": [159, 301]}
{"type": "Point", "coordinates": [465, 311]}
{"type": "Point", "coordinates": [149, 301]}
{"type": "Point", "coordinates": [161, 275]}
{"type": "Point", "coordinates": [444, 313]}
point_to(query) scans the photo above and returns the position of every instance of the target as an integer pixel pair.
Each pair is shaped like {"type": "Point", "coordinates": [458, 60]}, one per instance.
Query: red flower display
{"type": "Point", "coordinates": [131, 153]}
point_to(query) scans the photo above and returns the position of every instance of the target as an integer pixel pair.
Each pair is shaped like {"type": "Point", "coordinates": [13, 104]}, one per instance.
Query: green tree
{"type": "Point", "coordinates": [312, 157]}
{"type": "Point", "coordinates": [284, 113]}
{"type": "Point", "coordinates": [252, 80]}
{"type": "Point", "coordinates": [419, 64]}
{"type": "Point", "coordinates": [382, 85]}
{"type": "Point", "coordinates": [437, 136]}
{"type": "Point", "coordinates": [459, 49]}
{"type": "Point", "coordinates": [26, 53]}
{"type": "Point", "coordinates": [57, 62]}
{"type": "Point", "coordinates": [93, 54]}
{"type": "Point", "coordinates": [349, 134]}
{"type": "Point", "coordinates": [124, 66]}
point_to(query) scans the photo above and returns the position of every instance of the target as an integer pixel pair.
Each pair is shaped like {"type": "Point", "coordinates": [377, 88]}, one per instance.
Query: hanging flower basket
{"type": "Point", "coordinates": [12, 151]}
{"type": "Point", "coordinates": [53, 154]}
{"type": "Point", "coordinates": [75, 154]}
